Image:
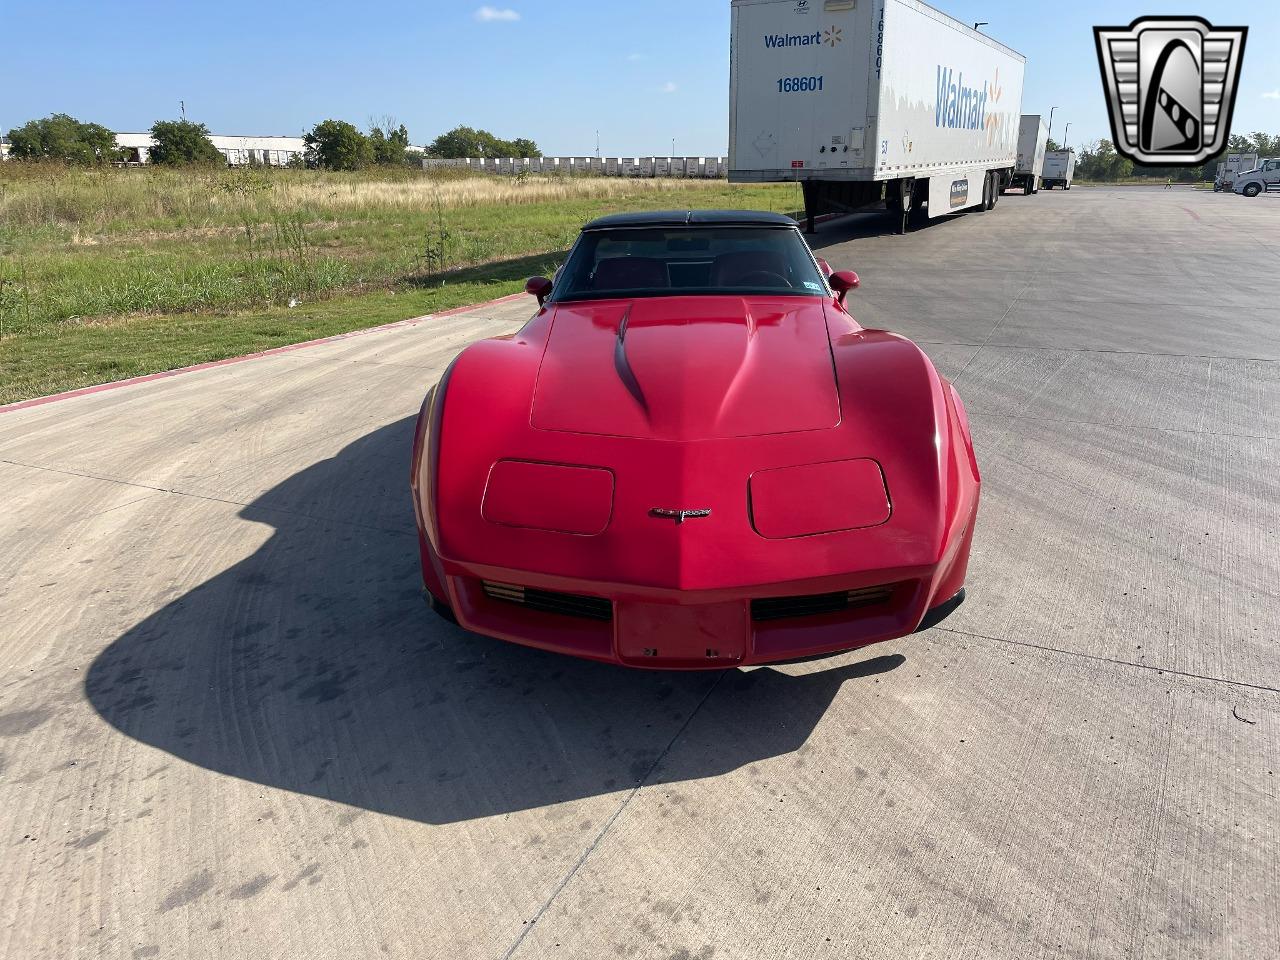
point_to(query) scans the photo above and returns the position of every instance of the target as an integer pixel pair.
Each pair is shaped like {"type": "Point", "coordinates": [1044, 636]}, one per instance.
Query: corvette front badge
{"type": "Point", "coordinates": [679, 516]}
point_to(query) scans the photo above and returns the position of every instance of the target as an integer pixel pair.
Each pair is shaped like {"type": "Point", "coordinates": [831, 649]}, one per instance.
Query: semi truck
{"type": "Point", "coordinates": [1263, 177]}
{"type": "Point", "coordinates": [864, 101]}
{"type": "Point", "coordinates": [1233, 164]}
{"type": "Point", "coordinates": [1033, 136]}
{"type": "Point", "coordinates": [1059, 169]}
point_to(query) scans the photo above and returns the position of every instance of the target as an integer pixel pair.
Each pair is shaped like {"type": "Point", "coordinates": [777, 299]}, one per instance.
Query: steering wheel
{"type": "Point", "coordinates": [763, 278]}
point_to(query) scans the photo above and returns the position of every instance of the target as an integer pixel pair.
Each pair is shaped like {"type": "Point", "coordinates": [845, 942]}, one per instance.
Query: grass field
{"type": "Point", "coordinates": [106, 274]}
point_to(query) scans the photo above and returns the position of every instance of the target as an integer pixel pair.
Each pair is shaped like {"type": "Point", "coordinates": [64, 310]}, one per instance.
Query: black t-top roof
{"type": "Point", "coordinates": [695, 218]}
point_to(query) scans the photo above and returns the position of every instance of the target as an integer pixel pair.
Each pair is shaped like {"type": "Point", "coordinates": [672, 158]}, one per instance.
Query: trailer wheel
{"type": "Point", "coordinates": [1034, 187]}
{"type": "Point", "coordinates": [995, 189]}
{"type": "Point", "coordinates": [1251, 190]}
{"type": "Point", "coordinates": [1066, 186]}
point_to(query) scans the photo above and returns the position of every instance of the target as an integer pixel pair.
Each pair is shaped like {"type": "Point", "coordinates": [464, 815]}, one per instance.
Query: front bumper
{"type": "Point", "coordinates": [698, 630]}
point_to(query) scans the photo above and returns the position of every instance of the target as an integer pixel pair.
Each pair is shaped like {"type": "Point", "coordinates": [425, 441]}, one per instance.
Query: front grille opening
{"type": "Point", "coordinates": [816, 604]}
{"type": "Point", "coordinates": [550, 601]}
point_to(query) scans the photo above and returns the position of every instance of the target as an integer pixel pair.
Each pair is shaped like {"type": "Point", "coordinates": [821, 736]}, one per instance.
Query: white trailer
{"type": "Point", "coordinates": [1234, 164]}
{"type": "Point", "coordinates": [1059, 169]}
{"type": "Point", "coordinates": [1033, 136]}
{"type": "Point", "coordinates": [872, 100]}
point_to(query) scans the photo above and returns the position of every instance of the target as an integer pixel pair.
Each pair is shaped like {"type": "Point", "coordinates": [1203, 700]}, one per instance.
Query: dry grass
{"type": "Point", "coordinates": [107, 273]}
{"type": "Point", "coordinates": [481, 191]}
{"type": "Point", "coordinates": [84, 202]}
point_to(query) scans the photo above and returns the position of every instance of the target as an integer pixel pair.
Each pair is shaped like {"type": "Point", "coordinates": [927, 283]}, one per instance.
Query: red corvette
{"type": "Point", "coordinates": [693, 457]}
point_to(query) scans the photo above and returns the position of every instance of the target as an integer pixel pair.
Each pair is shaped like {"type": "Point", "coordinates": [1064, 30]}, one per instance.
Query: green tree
{"type": "Point", "coordinates": [525, 148]}
{"type": "Point", "coordinates": [1099, 161]}
{"type": "Point", "coordinates": [462, 142]}
{"type": "Point", "coordinates": [1051, 144]}
{"type": "Point", "coordinates": [388, 149]}
{"type": "Point", "coordinates": [1264, 145]}
{"type": "Point", "coordinates": [337, 145]}
{"type": "Point", "coordinates": [469, 142]}
{"type": "Point", "coordinates": [180, 143]}
{"type": "Point", "coordinates": [1237, 143]}
{"type": "Point", "coordinates": [60, 137]}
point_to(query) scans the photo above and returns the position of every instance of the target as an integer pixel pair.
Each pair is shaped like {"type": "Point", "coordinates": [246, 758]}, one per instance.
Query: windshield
{"type": "Point", "coordinates": [689, 260]}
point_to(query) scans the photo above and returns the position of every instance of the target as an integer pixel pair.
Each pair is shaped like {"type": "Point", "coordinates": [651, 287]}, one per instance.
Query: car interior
{"type": "Point", "coordinates": [743, 268]}
{"type": "Point", "coordinates": [693, 261]}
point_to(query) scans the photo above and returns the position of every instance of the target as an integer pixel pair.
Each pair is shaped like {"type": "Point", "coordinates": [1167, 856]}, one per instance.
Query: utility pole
{"type": "Point", "coordinates": [673, 146]}
{"type": "Point", "coordinates": [183, 105]}
{"type": "Point", "coordinates": [597, 144]}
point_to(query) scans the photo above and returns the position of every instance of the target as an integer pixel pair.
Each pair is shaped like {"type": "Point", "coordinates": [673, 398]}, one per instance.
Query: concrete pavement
{"type": "Point", "coordinates": [229, 728]}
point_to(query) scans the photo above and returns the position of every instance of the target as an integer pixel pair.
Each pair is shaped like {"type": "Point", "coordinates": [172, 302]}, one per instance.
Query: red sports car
{"type": "Point", "coordinates": [692, 456]}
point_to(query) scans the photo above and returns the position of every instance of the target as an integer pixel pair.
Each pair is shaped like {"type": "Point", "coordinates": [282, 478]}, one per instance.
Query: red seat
{"type": "Point", "coordinates": [629, 273]}
{"type": "Point", "coordinates": [729, 268]}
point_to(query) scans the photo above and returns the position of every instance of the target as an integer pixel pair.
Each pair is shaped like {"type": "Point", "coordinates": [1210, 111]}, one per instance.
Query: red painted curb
{"type": "Point", "coordinates": [287, 348]}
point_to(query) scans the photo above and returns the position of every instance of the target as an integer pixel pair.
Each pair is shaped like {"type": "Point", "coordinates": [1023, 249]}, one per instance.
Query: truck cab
{"type": "Point", "coordinates": [1262, 178]}
{"type": "Point", "coordinates": [1229, 169]}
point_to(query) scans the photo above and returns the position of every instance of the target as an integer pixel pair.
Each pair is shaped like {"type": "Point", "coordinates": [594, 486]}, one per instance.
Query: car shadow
{"type": "Point", "coordinates": [313, 665]}
{"type": "Point", "coordinates": [516, 268]}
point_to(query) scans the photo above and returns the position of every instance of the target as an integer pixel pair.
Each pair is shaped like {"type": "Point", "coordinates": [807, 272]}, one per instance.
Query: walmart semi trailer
{"type": "Point", "coordinates": [862, 101]}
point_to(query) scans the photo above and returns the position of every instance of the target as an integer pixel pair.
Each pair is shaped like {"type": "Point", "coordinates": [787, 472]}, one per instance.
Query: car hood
{"type": "Point", "coordinates": [688, 368]}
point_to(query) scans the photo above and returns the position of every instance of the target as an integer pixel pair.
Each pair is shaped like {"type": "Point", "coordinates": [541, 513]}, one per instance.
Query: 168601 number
{"type": "Point", "coordinates": [799, 84]}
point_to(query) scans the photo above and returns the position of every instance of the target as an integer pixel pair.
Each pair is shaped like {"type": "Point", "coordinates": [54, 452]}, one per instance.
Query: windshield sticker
{"type": "Point", "coordinates": [809, 284]}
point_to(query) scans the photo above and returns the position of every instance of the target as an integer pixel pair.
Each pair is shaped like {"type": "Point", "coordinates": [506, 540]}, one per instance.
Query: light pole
{"type": "Point", "coordinates": [1065, 131]}
{"type": "Point", "coordinates": [981, 23]}
{"type": "Point", "coordinates": [1050, 133]}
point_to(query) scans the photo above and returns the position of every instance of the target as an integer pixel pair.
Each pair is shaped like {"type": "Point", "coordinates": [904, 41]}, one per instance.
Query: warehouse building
{"type": "Point", "coordinates": [239, 151]}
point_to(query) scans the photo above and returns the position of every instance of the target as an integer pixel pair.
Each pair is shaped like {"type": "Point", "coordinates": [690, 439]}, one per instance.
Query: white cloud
{"type": "Point", "coordinates": [669, 87]}
{"type": "Point", "coordinates": [635, 57]}
{"type": "Point", "coordinates": [1272, 94]}
{"type": "Point", "coordinates": [492, 14]}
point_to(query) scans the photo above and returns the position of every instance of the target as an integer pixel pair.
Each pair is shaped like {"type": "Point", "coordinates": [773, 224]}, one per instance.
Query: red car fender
{"type": "Point", "coordinates": [892, 382]}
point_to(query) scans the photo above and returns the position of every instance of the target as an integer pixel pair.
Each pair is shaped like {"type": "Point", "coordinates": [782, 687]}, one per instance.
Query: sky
{"type": "Point", "coordinates": [641, 74]}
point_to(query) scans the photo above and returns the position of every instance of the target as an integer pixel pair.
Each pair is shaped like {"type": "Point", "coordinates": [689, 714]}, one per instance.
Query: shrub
{"type": "Point", "coordinates": [388, 149]}
{"type": "Point", "coordinates": [181, 143]}
{"type": "Point", "coordinates": [337, 145]}
{"type": "Point", "coordinates": [468, 142]}
{"type": "Point", "coordinates": [64, 138]}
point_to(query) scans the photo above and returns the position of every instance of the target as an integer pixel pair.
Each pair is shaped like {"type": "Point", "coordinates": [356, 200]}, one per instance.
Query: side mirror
{"type": "Point", "coordinates": [539, 287]}
{"type": "Point", "coordinates": [842, 281]}
{"type": "Point", "coordinates": [824, 267]}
